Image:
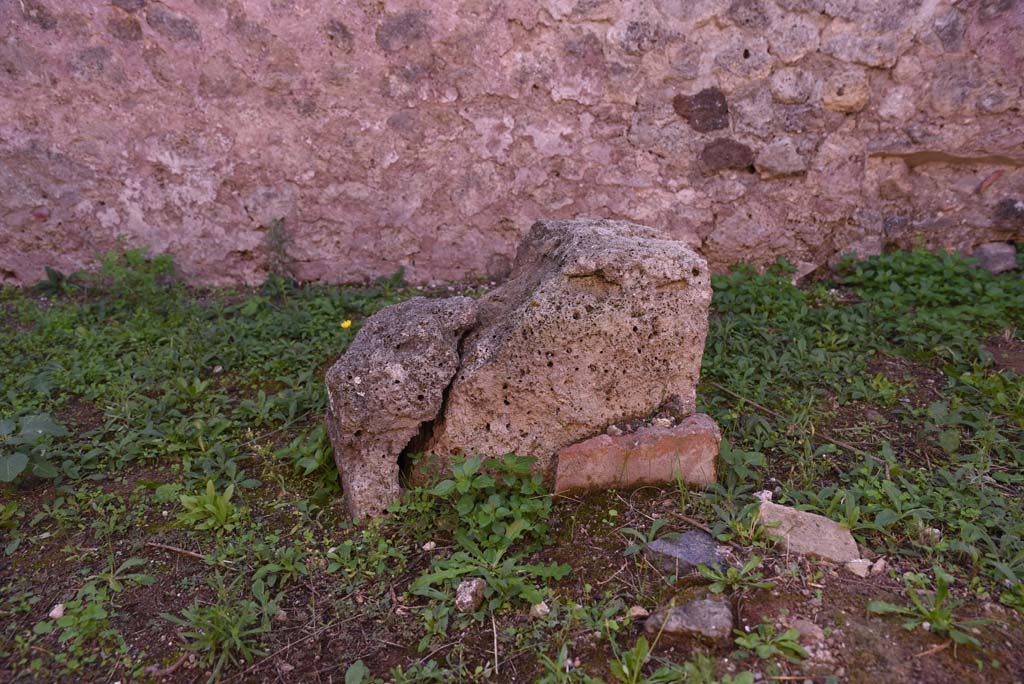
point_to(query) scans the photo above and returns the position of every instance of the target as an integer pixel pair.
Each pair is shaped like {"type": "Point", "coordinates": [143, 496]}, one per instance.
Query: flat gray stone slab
{"type": "Point", "coordinates": [708, 618]}
{"type": "Point", "coordinates": [680, 554]}
{"type": "Point", "coordinates": [808, 534]}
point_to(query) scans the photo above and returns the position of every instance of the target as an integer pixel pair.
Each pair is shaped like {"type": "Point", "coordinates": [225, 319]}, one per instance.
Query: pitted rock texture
{"type": "Point", "coordinates": [387, 386]}
{"type": "Point", "coordinates": [600, 322]}
{"type": "Point", "coordinates": [651, 455]}
{"type": "Point", "coordinates": [429, 135]}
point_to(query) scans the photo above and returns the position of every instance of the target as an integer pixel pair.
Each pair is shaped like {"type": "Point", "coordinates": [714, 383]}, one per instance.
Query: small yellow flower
{"type": "Point", "coordinates": [346, 324]}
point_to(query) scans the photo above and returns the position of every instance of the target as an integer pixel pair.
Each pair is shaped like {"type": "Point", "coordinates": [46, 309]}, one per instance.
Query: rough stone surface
{"type": "Point", "coordinates": [996, 257]}
{"type": "Point", "coordinates": [723, 153]}
{"type": "Point", "coordinates": [862, 249]}
{"type": "Point", "coordinates": [469, 595]}
{"type": "Point", "coordinates": [846, 91]}
{"type": "Point", "coordinates": [792, 86]}
{"type": "Point", "coordinates": [680, 554]}
{"type": "Point", "coordinates": [810, 632]}
{"type": "Point", "coordinates": [708, 618]}
{"type": "Point", "coordinates": [600, 322]}
{"type": "Point", "coordinates": [780, 158]}
{"type": "Point", "coordinates": [430, 135]}
{"type": "Point", "coordinates": [808, 534]}
{"type": "Point", "coordinates": [1010, 212]}
{"type": "Point", "coordinates": [705, 111]}
{"type": "Point", "coordinates": [651, 455]}
{"type": "Point", "coordinates": [387, 385]}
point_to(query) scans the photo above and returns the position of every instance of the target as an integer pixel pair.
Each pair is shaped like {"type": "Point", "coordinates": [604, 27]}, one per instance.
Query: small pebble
{"type": "Point", "coordinates": [470, 594]}
{"type": "Point", "coordinates": [613, 431]}
{"type": "Point", "coordinates": [539, 610]}
{"type": "Point", "coordinates": [57, 611]}
{"type": "Point", "coordinates": [638, 612]}
{"type": "Point", "coordinates": [430, 546]}
{"type": "Point", "coordinates": [859, 567]}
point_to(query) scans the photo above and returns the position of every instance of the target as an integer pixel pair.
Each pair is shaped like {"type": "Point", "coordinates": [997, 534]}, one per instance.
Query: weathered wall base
{"type": "Point", "coordinates": [429, 135]}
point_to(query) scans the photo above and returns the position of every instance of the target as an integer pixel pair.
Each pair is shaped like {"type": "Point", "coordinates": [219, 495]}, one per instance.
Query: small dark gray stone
{"type": "Point", "coordinates": [706, 111]}
{"type": "Point", "coordinates": [39, 14]}
{"type": "Point", "coordinates": [639, 37]}
{"type": "Point", "coordinates": [339, 34]}
{"type": "Point", "coordinates": [990, 9]}
{"type": "Point", "coordinates": [125, 28]}
{"type": "Point", "coordinates": [401, 30]}
{"type": "Point", "coordinates": [1009, 211]}
{"type": "Point", "coordinates": [129, 5]}
{"type": "Point", "coordinates": [255, 34]}
{"type": "Point", "coordinates": [172, 25]}
{"type": "Point", "coordinates": [708, 618]}
{"type": "Point", "coordinates": [91, 60]}
{"type": "Point", "coordinates": [950, 29]}
{"type": "Point", "coordinates": [748, 14]}
{"type": "Point", "coordinates": [680, 554]}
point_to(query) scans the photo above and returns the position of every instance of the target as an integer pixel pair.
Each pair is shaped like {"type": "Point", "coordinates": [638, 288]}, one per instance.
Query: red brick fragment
{"type": "Point", "coordinates": [651, 455]}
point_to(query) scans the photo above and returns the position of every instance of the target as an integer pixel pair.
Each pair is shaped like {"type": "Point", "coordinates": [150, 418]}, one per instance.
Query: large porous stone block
{"type": "Point", "coordinates": [386, 388]}
{"type": "Point", "coordinates": [600, 322]}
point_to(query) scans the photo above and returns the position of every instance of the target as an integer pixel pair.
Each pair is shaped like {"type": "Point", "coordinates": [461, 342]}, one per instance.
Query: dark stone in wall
{"type": "Point", "coordinates": [129, 5]}
{"type": "Point", "coordinates": [171, 25]}
{"type": "Point", "coordinates": [705, 111]}
{"type": "Point", "coordinates": [39, 14]}
{"type": "Point", "coordinates": [220, 78]}
{"type": "Point", "coordinates": [402, 30]}
{"type": "Point", "coordinates": [950, 29]}
{"type": "Point", "coordinates": [1010, 211]}
{"type": "Point", "coordinates": [125, 28]}
{"type": "Point", "coordinates": [724, 153]}
{"type": "Point", "coordinates": [255, 35]}
{"type": "Point", "coordinates": [748, 14]}
{"type": "Point", "coordinates": [639, 37]}
{"type": "Point", "coordinates": [339, 34]}
{"type": "Point", "coordinates": [990, 9]}
{"type": "Point", "coordinates": [92, 60]}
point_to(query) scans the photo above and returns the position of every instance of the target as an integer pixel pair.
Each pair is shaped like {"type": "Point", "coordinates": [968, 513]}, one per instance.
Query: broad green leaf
{"type": "Point", "coordinates": [357, 673]}
{"type": "Point", "coordinates": [885, 517]}
{"type": "Point", "coordinates": [34, 427]}
{"type": "Point", "coordinates": [443, 488]}
{"type": "Point", "coordinates": [949, 440]}
{"type": "Point", "coordinates": [11, 466]}
{"type": "Point", "coordinates": [884, 607]}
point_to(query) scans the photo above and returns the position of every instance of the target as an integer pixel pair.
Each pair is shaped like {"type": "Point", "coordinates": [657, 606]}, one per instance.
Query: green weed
{"type": "Point", "coordinates": [934, 610]}
{"type": "Point", "coordinates": [210, 510]}
{"type": "Point", "coordinates": [766, 642]}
